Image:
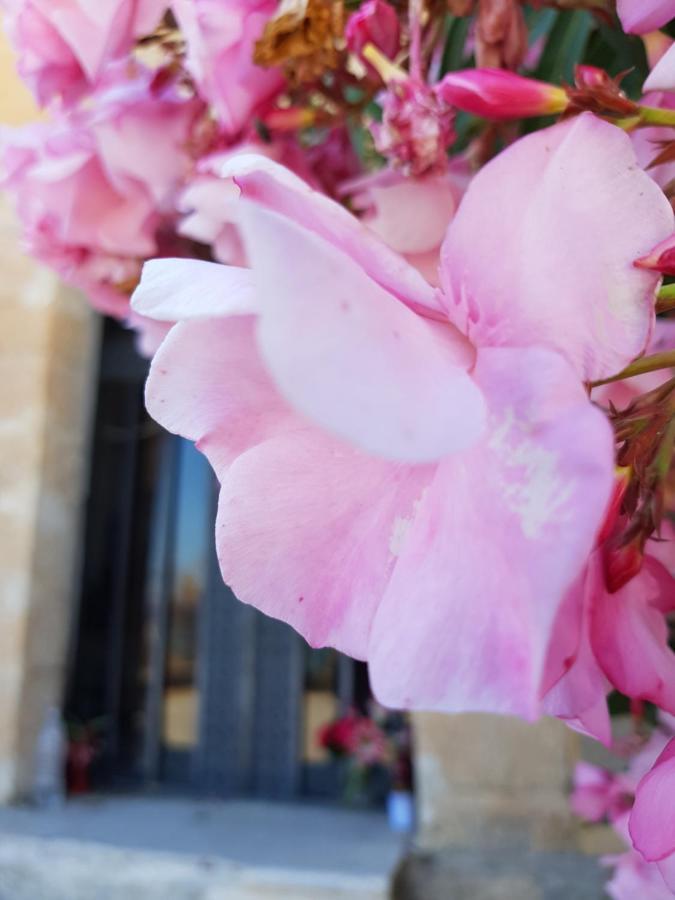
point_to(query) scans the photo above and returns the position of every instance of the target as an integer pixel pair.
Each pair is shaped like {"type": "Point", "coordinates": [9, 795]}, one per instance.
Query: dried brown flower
{"type": "Point", "coordinates": [305, 38]}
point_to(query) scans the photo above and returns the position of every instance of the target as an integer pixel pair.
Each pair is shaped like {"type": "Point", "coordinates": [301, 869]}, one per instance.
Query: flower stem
{"type": "Point", "coordinates": [655, 115]}
{"type": "Point", "coordinates": [665, 299]}
{"type": "Point", "coordinates": [665, 360]}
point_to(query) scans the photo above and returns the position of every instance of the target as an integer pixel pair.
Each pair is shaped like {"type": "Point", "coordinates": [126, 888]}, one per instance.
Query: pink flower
{"type": "Point", "coordinates": [63, 45]}
{"type": "Point", "coordinates": [401, 470]}
{"type": "Point", "coordinates": [652, 821]}
{"type": "Point", "coordinates": [498, 94]}
{"type": "Point", "coordinates": [221, 36]}
{"type": "Point", "coordinates": [640, 16]}
{"type": "Point", "coordinates": [375, 22]}
{"type": "Point", "coordinates": [89, 193]}
{"type": "Point", "coordinates": [599, 794]}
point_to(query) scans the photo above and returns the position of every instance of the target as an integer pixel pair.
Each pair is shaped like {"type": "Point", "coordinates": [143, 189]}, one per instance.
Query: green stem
{"type": "Point", "coordinates": [655, 115]}
{"type": "Point", "coordinates": [665, 299]}
{"type": "Point", "coordinates": [665, 360]}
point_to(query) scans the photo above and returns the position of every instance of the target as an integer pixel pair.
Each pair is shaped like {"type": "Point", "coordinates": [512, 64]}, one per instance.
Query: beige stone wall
{"type": "Point", "coordinates": [491, 781]}
{"type": "Point", "coordinates": [48, 338]}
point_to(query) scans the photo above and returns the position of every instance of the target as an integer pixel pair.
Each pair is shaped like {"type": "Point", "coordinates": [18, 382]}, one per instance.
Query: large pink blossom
{"type": "Point", "coordinates": [90, 196]}
{"type": "Point", "coordinates": [63, 45]}
{"type": "Point", "coordinates": [641, 16]}
{"type": "Point", "coordinates": [221, 36]}
{"type": "Point", "coordinates": [402, 474]}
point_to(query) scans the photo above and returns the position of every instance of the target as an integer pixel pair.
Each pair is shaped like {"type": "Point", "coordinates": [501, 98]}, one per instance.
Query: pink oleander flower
{"type": "Point", "coordinates": [91, 189]}
{"type": "Point", "coordinates": [498, 94]}
{"type": "Point", "coordinates": [652, 820]}
{"type": "Point", "coordinates": [641, 16]}
{"type": "Point", "coordinates": [63, 45]}
{"type": "Point", "coordinates": [221, 36]}
{"type": "Point", "coordinates": [402, 475]}
{"type": "Point", "coordinates": [599, 794]}
{"type": "Point", "coordinates": [374, 22]}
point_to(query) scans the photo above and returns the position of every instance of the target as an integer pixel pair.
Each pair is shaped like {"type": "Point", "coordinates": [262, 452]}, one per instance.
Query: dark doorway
{"type": "Point", "coordinates": [187, 687]}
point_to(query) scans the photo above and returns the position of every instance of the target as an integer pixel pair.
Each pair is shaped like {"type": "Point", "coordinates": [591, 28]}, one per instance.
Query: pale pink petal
{"type": "Point", "coordinates": [411, 215]}
{"type": "Point", "coordinates": [207, 384]}
{"type": "Point", "coordinates": [629, 635]}
{"type": "Point", "coordinates": [652, 821]}
{"type": "Point", "coordinates": [501, 534]}
{"type": "Point", "coordinates": [276, 188]}
{"type": "Point", "coordinates": [350, 356]}
{"type": "Point", "coordinates": [635, 879]}
{"type": "Point", "coordinates": [667, 869]}
{"type": "Point", "coordinates": [579, 695]}
{"type": "Point", "coordinates": [541, 250]}
{"type": "Point", "coordinates": [662, 76]}
{"type": "Point", "coordinates": [173, 289]}
{"type": "Point", "coordinates": [308, 529]}
{"type": "Point", "coordinates": [641, 16]}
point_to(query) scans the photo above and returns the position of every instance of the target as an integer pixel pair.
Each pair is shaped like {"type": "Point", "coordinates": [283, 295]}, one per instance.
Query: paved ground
{"type": "Point", "coordinates": [164, 849]}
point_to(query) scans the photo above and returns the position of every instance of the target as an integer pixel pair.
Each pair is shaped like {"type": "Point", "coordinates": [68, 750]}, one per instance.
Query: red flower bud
{"type": "Point", "coordinates": [496, 94]}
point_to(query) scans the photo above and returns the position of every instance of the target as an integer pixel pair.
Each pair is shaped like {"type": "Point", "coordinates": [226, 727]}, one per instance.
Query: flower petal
{"type": "Point", "coordinates": [662, 76]}
{"type": "Point", "coordinates": [641, 16]}
{"type": "Point", "coordinates": [629, 635]}
{"type": "Point", "coordinates": [173, 289]}
{"type": "Point", "coordinates": [276, 188]}
{"type": "Point", "coordinates": [541, 249]}
{"type": "Point", "coordinates": [501, 533]}
{"type": "Point", "coordinates": [652, 821]}
{"type": "Point", "coordinates": [350, 356]}
{"type": "Point", "coordinates": [307, 531]}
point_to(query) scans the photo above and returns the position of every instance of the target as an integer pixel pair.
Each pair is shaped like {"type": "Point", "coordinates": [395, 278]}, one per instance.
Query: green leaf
{"type": "Point", "coordinates": [566, 46]}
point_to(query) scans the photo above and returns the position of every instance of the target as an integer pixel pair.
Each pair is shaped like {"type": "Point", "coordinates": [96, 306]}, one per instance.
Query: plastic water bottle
{"type": "Point", "coordinates": [50, 755]}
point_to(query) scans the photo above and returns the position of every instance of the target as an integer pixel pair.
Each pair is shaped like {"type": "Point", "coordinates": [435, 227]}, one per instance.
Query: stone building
{"type": "Point", "coordinates": [110, 604]}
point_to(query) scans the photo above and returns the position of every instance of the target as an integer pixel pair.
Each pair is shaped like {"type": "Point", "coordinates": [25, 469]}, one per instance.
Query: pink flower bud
{"type": "Point", "coordinates": [375, 22]}
{"type": "Point", "coordinates": [496, 94]}
{"type": "Point", "coordinates": [661, 259]}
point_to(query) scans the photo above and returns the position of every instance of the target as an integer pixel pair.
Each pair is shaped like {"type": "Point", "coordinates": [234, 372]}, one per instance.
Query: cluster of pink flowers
{"type": "Point", "coordinates": [429, 374]}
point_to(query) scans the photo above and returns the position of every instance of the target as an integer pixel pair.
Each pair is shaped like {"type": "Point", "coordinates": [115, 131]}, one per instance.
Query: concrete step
{"type": "Point", "coordinates": [53, 869]}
